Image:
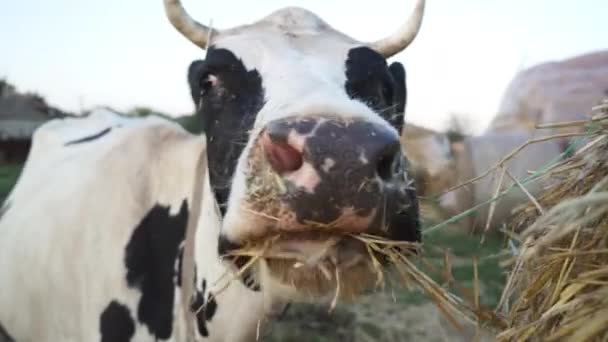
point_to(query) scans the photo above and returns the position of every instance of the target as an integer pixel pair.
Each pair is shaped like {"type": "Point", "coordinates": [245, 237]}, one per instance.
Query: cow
{"type": "Point", "coordinates": [554, 91]}
{"type": "Point", "coordinates": [430, 155]}
{"type": "Point", "coordinates": [475, 155]}
{"type": "Point", "coordinates": [301, 139]}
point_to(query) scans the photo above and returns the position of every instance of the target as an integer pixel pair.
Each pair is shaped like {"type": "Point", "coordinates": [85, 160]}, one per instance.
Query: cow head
{"type": "Point", "coordinates": [303, 126]}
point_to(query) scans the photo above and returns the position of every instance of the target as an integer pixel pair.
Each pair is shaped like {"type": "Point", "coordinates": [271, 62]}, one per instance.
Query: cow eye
{"type": "Point", "coordinates": [207, 82]}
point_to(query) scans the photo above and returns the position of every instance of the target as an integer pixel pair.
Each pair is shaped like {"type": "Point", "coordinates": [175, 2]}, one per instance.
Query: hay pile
{"type": "Point", "coordinates": [558, 286]}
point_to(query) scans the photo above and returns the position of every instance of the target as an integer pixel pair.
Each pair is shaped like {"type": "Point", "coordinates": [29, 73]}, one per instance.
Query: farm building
{"type": "Point", "coordinates": [20, 115]}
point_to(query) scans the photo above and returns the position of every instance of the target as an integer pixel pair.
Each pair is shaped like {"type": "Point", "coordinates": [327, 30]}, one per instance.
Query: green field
{"type": "Point", "coordinates": [395, 315]}
{"type": "Point", "coordinates": [8, 177]}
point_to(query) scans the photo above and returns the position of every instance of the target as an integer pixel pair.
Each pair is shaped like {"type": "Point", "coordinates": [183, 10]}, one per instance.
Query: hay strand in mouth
{"type": "Point", "coordinates": [381, 254]}
{"type": "Point", "coordinates": [235, 276]}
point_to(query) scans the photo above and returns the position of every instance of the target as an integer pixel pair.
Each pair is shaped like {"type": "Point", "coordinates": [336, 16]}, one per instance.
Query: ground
{"type": "Point", "coordinates": [384, 316]}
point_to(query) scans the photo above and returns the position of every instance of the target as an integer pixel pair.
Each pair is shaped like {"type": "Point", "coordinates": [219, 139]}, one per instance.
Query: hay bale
{"type": "Point", "coordinates": [558, 286]}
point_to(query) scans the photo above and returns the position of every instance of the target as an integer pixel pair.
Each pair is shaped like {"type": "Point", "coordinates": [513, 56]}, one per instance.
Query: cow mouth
{"type": "Point", "coordinates": [315, 263]}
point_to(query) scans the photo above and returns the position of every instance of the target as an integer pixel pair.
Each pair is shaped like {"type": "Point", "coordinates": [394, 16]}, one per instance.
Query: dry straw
{"type": "Point", "coordinates": [385, 259]}
{"type": "Point", "coordinates": [558, 284]}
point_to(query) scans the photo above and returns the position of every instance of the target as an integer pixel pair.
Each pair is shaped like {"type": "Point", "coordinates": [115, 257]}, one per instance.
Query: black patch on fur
{"type": "Point", "coordinates": [4, 335]}
{"type": "Point", "coordinates": [248, 278]}
{"type": "Point", "coordinates": [250, 281]}
{"type": "Point", "coordinates": [399, 96]}
{"type": "Point", "coordinates": [369, 79]}
{"type": "Point", "coordinates": [195, 72]}
{"type": "Point", "coordinates": [227, 111]}
{"type": "Point", "coordinates": [206, 309]}
{"type": "Point", "coordinates": [90, 137]}
{"type": "Point", "coordinates": [116, 324]}
{"type": "Point", "coordinates": [150, 260]}
{"type": "Point", "coordinates": [224, 246]}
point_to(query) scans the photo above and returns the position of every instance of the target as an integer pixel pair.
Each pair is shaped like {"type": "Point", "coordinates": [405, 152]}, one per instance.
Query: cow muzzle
{"type": "Point", "coordinates": [328, 173]}
{"type": "Point", "coordinates": [315, 181]}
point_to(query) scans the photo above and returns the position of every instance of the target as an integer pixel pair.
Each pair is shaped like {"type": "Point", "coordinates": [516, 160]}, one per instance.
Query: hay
{"type": "Point", "coordinates": [325, 272]}
{"type": "Point", "coordinates": [558, 284]}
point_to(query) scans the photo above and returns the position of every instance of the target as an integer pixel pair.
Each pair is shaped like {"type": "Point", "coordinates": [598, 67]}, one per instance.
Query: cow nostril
{"type": "Point", "coordinates": [384, 167]}
{"type": "Point", "coordinates": [389, 162]}
{"type": "Point", "coordinates": [280, 155]}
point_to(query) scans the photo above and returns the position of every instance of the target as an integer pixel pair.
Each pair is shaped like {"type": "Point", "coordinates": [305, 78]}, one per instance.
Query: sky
{"type": "Point", "coordinates": [124, 53]}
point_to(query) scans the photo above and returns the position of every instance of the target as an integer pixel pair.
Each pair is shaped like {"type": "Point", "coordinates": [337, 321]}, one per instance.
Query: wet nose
{"type": "Point", "coordinates": [357, 147]}
{"type": "Point", "coordinates": [331, 166]}
{"type": "Point", "coordinates": [369, 149]}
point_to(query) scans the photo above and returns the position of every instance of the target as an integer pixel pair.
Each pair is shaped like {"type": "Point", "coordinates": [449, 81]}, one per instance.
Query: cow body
{"type": "Point", "coordinates": [554, 92]}
{"type": "Point", "coordinates": [301, 141]}
{"type": "Point", "coordinates": [100, 242]}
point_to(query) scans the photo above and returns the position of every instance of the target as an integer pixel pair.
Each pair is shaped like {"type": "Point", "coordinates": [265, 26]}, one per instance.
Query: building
{"type": "Point", "coordinates": [20, 115]}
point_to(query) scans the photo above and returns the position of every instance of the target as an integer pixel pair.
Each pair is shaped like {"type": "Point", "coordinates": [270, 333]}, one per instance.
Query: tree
{"type": "Point", "coordinates": [458, 127]}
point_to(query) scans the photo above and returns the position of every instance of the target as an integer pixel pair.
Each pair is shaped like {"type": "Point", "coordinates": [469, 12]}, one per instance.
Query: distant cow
{"type": "Point", "coordinates": [475, 155]}
{"type": "Point", "coordinates": [546, 93]}
{"type": "Point", "coordinates": [430, 156]}
{"type": "Point", "coordinates": [302, 127]}
{"type": "Point", "coordinates": [554, 92]}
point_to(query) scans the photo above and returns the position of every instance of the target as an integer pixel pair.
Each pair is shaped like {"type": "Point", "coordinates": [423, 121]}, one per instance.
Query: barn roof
{"type": "Point", "coordinates": [20, 115]}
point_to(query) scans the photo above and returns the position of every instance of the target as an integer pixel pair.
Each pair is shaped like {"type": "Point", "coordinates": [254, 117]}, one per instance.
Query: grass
{"type": "Point", "coordinates": [463, 248]}
{"type": "Point", "coordinates": [8, 176]}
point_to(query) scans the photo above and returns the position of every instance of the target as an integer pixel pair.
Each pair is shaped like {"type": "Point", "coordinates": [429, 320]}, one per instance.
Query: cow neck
{"type": "Point", "coordinates": [188, 263]}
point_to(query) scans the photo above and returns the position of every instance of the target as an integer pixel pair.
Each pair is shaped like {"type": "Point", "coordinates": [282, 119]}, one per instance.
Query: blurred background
{"type": "Point", "coordinates": [126, 54]}
{"type": "Point", "coordinates": [481, 76]}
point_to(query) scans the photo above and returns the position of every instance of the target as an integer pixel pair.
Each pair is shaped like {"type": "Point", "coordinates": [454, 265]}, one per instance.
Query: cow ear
{"type": "Point", "coordinates": [400, 92]}
{"type": "Point", "coordinates": [195, 72]}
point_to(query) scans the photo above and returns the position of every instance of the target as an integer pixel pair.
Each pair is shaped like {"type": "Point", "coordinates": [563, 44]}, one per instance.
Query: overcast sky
{"type": "Point", "coordinates": [124, 53]}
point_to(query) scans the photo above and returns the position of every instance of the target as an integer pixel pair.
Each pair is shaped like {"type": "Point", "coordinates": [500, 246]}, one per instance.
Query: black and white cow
{"type": "Point", "coordinates": [302, 128]}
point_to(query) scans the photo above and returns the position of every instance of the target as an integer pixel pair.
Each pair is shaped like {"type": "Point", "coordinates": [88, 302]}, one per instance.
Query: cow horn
{"type": "Point", "coordinates": [190, 28]}
{"type": "Point", "coordinates": [399, 40]}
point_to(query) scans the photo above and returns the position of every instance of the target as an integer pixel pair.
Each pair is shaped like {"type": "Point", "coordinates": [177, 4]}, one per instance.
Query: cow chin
{"type": "Point", "coordinates": [311, 266]}
{"type": "Point", "coordinates": [299, 261]}
{"type": "Point", "coordinates": [318, 272]}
